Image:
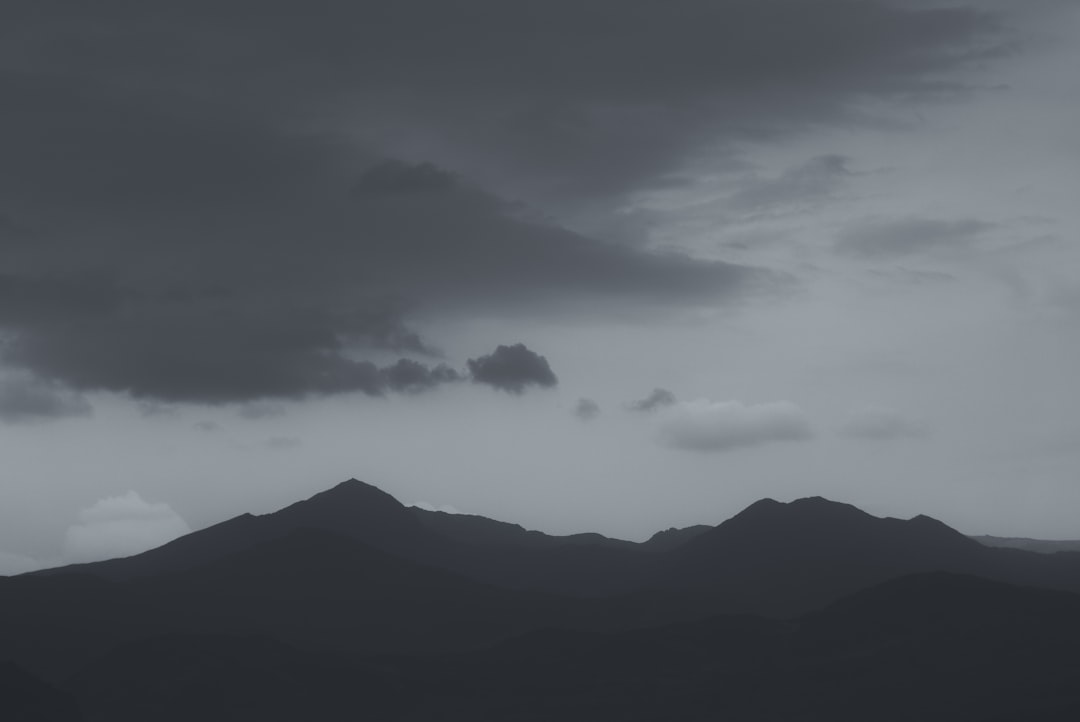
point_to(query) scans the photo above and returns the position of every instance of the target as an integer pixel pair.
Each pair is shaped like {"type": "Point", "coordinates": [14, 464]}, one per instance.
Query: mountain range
{"type": "Point", "coordinates": [350, 605]}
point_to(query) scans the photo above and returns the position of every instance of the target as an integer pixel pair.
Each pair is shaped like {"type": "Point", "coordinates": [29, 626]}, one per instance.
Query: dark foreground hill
{"type": "Point", "coordinates": [926, 647]}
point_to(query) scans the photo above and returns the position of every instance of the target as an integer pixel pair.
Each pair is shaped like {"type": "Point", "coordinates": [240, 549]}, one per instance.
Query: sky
{"type": "Point", "coordinates": [592, 265]}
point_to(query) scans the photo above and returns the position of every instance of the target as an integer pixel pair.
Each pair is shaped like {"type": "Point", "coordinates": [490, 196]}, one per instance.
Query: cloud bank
{"type": "Point", "coordinates": [25, 398]}
{"type": "Point", "coordinates": [909, 236]}
{"type": "Point", "coordinates": [713, 426]}
{"type": "Point", "coordinates": [231, 201]}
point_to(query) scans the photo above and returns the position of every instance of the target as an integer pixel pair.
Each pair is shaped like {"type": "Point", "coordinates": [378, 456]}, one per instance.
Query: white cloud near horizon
{"type": "Point", "coordinates": [12, 564]}
{"type": "Point", "coordinates": [120, 526]}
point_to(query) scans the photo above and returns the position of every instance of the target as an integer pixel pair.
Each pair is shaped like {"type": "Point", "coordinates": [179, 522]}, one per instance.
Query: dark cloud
{"type": "Point", "coordinates": [658, 399]}
{"type": "Point", "coordinates": [392, 177]}
{"type": "Point", "coordinates": [412, 376]}
{"type": "Point", "coordinates": [512, 368]}
{"type": "Point", "coordinates": [233, 200]}
{"type": "Point", "coordinates": [23, 398]}
{"type": "Point", "coordinates": [909, 236]}
{"type": "Point", "coordinates": [629, 90]}
{"type": "Point", "coordinates": [586, 409]}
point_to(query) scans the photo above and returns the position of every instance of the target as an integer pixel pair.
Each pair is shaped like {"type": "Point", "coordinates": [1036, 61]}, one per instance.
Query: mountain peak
{"type": "Point", "coordinates": [820, 522]}
{"type": "Point", "coordinates": [352, 492]}
{"type": "Point", "coordinates": [358, 510]}
{"type": "Point", "coordinates": [806, 509]}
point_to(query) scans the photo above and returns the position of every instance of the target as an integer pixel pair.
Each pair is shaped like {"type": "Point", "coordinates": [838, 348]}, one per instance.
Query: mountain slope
{"type": "Point", "coordinates": [352, 508]}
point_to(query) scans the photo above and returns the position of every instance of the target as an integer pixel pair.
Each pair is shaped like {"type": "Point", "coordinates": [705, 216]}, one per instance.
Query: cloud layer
{"type": "Point", "coordinates": [229, 200]}
{"type": "Point", "coordinates": [909, 236]}
{"type": "Point", "coordinates": [25, 398]}
{"type": "Point", "coordinates": [705, 425]}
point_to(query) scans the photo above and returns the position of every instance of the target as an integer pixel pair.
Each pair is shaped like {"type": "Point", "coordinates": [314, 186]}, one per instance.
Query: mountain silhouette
{"type": "Point", "coordinates": [352, 508]}
{"type": "Point", "coordinates": [483, 549]}
{"type": "Point", "coordinates": [772, 557]}
{"type": "Point", "coordinates": [783, 559]}
{"type": "Point", "coordinates": [810, 609]}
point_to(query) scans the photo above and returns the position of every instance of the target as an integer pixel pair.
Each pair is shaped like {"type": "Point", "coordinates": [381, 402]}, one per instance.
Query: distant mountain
{"type": "Point", "coordinates": [479, 530]}
{"type": "Point", "coordinates": [783, 559]}
{"type": "Point", "coordinates": [1043, 546]}
{"type": "Point", "coordinates": [771, 558]}
{"type": "Point", "coordinates": [483, 549]}
{"type": "Point", "coordinates": [669, 539]}
{"type": "Point", "coordinates": [352, 508]}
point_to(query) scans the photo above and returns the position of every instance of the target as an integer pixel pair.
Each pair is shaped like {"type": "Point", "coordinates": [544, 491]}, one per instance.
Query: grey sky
{"type": "Point", "coordinates": [838, 222]}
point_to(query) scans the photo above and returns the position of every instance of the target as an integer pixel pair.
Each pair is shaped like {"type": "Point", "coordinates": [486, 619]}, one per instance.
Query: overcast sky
{"type": "Point", "coordinates": [580, 264]}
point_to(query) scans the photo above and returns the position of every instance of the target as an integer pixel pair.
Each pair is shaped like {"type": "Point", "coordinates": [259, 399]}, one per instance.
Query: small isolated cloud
{"type": "Point", "coordinates": [512, 368]}
{"type": "Point", "coordinates": [208, 427]}
{"type": "Point", "coordinates": [658, 399]}
{"type": "Point", "coordinates": [25, 398]}
{"type": "Point", "coordinates": [586, 409]}
{"type": "Point", "coordinates": [12, 564]}
{"type": "Point", "coordinates": [119, 526]}
{"type": "Point", "coordinates": [883, 424]}
{"type": "Point", "coordinates": [705, 425]}
{"type": "Point", "coordinates": [907, 236]}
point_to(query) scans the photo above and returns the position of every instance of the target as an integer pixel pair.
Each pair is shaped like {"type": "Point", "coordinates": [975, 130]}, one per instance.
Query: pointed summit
{"type": "Point", "coordinates": [359, 511]}
{"type": "Point", "coordinates": [352, 491]}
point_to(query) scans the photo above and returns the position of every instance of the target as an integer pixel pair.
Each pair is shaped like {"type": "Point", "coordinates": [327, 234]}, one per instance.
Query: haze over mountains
{"type": "Point", "coordinates": [348, 594]}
